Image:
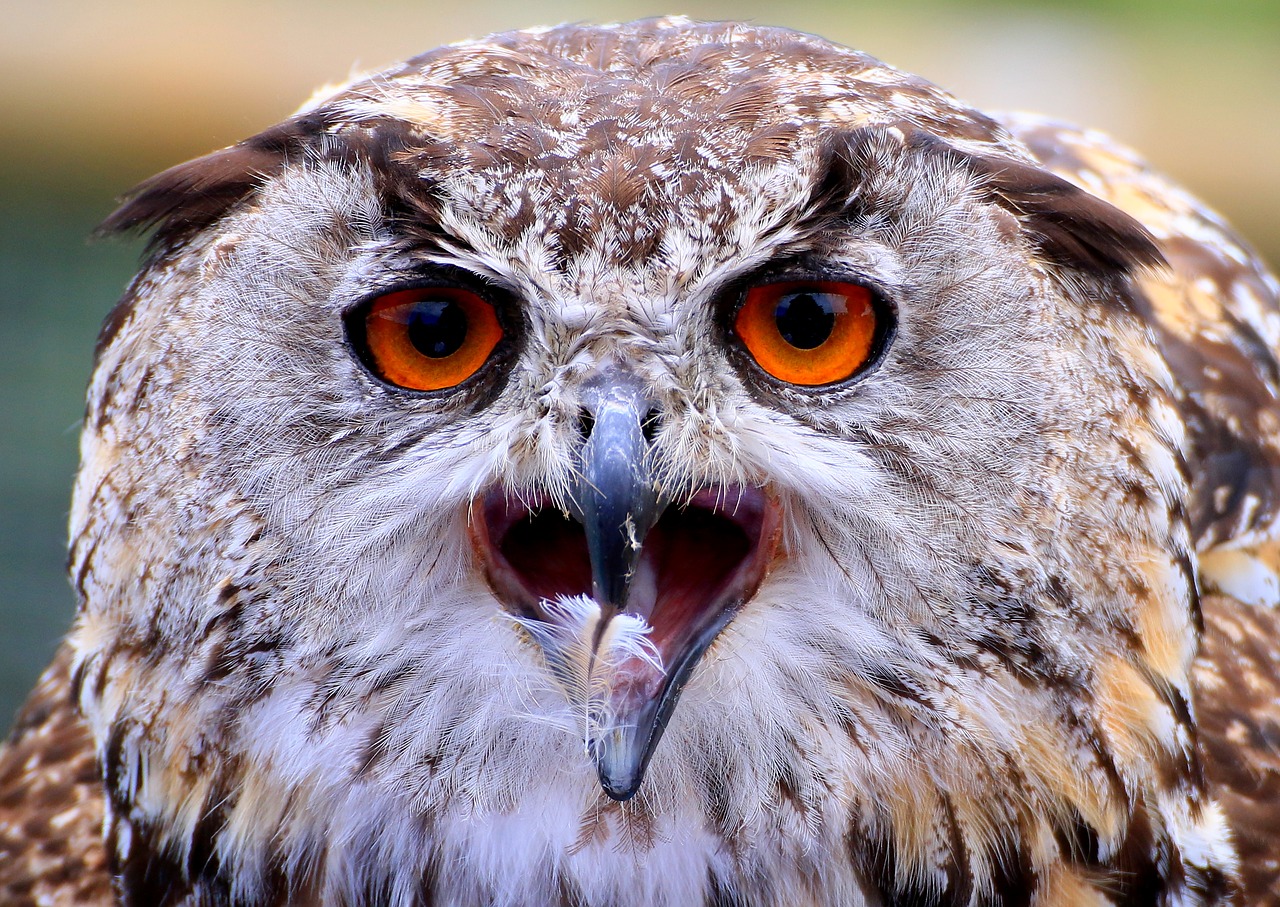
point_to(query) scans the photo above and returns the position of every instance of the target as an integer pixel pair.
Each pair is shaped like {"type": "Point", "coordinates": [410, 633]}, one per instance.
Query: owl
{"type": "Point", "coordinates": [667, 464]}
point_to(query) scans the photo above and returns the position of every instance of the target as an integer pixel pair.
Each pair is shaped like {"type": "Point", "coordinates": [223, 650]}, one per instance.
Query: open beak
{"type": "Point", "coordinates": [684, 569]}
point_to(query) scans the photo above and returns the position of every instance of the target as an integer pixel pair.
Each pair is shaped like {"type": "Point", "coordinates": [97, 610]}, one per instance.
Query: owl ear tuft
{"type": "Point", "coordinates": [1071, 227]}
{"type": "Point", "coordinates": [185, 199]}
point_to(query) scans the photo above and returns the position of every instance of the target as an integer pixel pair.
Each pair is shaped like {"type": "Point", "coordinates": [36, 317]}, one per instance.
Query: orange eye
{"type": "Point", "coordinates": [429, 338]}
{"type": "Point", "coordinates": [808, 332]}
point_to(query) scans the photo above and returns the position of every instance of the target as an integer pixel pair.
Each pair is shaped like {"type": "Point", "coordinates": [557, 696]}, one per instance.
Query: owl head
{"type": "Point", "coordinates": [632, 463]}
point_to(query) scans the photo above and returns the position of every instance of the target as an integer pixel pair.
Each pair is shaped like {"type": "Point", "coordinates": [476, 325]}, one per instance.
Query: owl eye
{"type": "Point", "coordinates": [809, 332]}
{"type": "Point", "coordinates": [428, 338]}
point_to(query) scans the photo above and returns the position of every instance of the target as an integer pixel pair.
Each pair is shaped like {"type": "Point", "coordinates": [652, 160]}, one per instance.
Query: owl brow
{"type": "Point", "coordinates": [178, 203]}
{"type": "Point", "coordinates": [835, 198]}
{"type": "Point", "coordinates": [185, 199]}
{"type": "Point", "coordinates": [1070, 227]}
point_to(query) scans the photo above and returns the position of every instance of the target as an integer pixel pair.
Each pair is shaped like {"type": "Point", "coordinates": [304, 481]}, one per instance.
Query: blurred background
{"type": "Point", "coordinates": [96, 96]}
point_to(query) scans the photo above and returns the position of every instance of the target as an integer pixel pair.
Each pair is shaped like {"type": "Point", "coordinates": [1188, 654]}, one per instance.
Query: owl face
{"type": "Point", "coordinates": [538, 464]}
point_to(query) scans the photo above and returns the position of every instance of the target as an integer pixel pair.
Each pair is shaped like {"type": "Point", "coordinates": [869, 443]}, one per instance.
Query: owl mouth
{"type": "Point", "coordinates": [699, 558]}
{"type": "Point", "coordinates": [685, 578]}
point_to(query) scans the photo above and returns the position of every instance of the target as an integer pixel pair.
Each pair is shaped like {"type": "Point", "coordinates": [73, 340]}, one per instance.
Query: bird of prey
{"type": "Point", "coordinates": [667, 464]}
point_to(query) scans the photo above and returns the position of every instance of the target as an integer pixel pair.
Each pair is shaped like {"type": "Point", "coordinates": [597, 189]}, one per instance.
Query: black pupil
{"type": "Point", "coordinates": [437, 327]}
{"type": "Point", "coordinates": [805, 320]}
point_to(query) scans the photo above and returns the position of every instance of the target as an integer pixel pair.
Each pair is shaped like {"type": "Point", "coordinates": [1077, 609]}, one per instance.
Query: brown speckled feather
{"type": "Point", "coordinates": [1216, 316]}
{"type": "Point", "coordinates": [51, 804]}
{"type": "Point", "coordinates": [1237, 685]}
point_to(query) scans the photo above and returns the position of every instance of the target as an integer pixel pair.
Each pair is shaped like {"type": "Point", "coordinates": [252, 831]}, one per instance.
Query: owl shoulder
{"type": "Point", "coordinates": [1214, 313]}
{"type": "Point", "coordinates": [52, 803]}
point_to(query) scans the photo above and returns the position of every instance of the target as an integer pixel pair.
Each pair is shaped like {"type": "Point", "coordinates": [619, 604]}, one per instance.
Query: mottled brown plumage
{"type": "Point", "coordinates": [1006, 626]}
{"type": "Point", "coordinates": [1238, 714]}
{"type": "Point", "coordinates": [51, 803]}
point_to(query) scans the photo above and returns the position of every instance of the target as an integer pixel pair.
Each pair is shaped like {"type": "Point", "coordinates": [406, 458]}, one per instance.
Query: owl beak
{"type": "Point", "coordinates": [698, 564]}
{"type": "Point", "coordinates": [619, 505]}
{"type": "Point", "coordinates": [615, 496]}
{"type": "Point", "coordinates": [666, 578]}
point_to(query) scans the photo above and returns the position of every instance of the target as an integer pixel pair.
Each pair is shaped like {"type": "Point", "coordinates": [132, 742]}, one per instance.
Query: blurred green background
{"type": "Point", "coordinates": [97, 96]}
